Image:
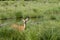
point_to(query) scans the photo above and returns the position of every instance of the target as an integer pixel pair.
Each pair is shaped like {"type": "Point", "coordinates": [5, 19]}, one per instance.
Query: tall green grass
{"type": "Point", "coordinates": [13, 9]}
{"type": "Point", "coordinates": [46, 30]}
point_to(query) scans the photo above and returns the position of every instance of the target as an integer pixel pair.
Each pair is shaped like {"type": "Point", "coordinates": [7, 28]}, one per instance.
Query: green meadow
{"type": "Point", "coordinates": [43, 23]}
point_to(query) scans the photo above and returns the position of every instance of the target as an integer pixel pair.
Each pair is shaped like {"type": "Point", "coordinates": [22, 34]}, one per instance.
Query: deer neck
{"type": "Point", "coordinates": [24, 25]}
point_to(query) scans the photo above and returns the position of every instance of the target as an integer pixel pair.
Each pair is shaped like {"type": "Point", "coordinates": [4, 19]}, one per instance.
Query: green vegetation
{"type": "Point", "coordinates": [46, 30]}
{"type": "Point", "coordinates": [9, 9]}
{"type": "Point", "coordinates": [45, 26]}
{"type": "Point", "coordinates": [43, 1]}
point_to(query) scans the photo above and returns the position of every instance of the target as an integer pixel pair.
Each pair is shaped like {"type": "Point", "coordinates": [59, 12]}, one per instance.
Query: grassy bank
{"type": "Point", "coordinates": [13, 9]}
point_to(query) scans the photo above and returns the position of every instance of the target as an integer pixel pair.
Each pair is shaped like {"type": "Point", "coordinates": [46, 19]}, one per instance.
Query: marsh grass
{"type": "Point", "coordinates": [48, 27]}
{"type": "Point", "coordinates": [47, 30]}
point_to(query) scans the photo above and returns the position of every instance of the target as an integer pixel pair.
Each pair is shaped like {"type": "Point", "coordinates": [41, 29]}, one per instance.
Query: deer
{"type": "Point", "coordinates": [20, 27]}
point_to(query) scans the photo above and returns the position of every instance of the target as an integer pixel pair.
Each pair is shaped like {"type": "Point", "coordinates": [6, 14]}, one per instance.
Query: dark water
{"type": "Point", "coordinates": [7, 22]}
{"type": "Point", "coordinates": [10, 21]}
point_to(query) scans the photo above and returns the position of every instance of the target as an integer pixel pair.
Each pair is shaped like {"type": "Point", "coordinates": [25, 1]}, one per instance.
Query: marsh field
{"type": "Point", "coordinates": [43, 23]}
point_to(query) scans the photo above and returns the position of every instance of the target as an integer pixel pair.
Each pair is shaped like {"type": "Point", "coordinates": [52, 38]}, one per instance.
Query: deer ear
{"type": "Point", "coordinates": [26, 19]}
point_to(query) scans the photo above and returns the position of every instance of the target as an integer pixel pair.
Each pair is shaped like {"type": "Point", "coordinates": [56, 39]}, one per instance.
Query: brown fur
{"type": "Point", "coordinates": [18, 27]}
